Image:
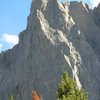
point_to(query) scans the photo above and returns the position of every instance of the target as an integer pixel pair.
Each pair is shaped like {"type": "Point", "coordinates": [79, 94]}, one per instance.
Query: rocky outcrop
{"type": "Point", "coordinates": [96, 13]}
{"type": "Point", "coordinates": [58, 37]}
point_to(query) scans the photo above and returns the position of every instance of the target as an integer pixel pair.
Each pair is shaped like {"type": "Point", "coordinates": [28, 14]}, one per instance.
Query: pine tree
{"type": "Point", "coordinates": [68, 90]}
{"type": "Point", "coordinates": [11, 97]}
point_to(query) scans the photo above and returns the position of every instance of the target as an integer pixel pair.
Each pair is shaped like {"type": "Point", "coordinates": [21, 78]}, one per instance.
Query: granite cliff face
{"type": "Point", "coordinates": [58, 37]}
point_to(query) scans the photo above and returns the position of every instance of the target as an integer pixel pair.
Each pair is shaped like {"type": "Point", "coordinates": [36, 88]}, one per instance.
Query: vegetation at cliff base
{"type": "Point", "coordinates": [68, 90]}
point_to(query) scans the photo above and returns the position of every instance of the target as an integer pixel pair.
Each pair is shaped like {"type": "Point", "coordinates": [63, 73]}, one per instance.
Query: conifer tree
{"type": "Point", "coordinates": [68, 89]}
{"type": "Point", "coordinates": [11, 97]}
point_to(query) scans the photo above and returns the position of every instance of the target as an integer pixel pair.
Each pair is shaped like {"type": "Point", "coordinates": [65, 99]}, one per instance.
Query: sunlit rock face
{"type": "Point", "coordinates": [58, 37]}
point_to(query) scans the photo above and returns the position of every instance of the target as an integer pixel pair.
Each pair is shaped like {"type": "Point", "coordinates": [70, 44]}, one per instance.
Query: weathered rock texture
{"type": "Point", "coordinates": [58, 37]}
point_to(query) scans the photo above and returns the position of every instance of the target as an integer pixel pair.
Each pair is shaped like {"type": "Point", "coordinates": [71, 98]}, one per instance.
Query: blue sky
{"type": "Point", "coordinates": [13, 19]}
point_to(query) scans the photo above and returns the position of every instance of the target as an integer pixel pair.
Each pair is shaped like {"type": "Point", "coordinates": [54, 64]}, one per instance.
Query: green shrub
{"type": "Point", "coordinates": [68, 90]}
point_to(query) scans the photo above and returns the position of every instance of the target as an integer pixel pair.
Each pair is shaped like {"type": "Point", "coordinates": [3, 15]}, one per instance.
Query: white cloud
{"type": "Point", "coordinates": [10, 39]}
{"type": "Point", "coordinates": [1, 45]}
{"type": "Point", "coordinates": [95, 3]}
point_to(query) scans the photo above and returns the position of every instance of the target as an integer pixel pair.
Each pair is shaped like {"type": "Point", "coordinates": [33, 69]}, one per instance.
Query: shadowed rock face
{"type": "Point", "coordinates": [58, 37]}
{"type": "Point", "coordinates": [96, 13]}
